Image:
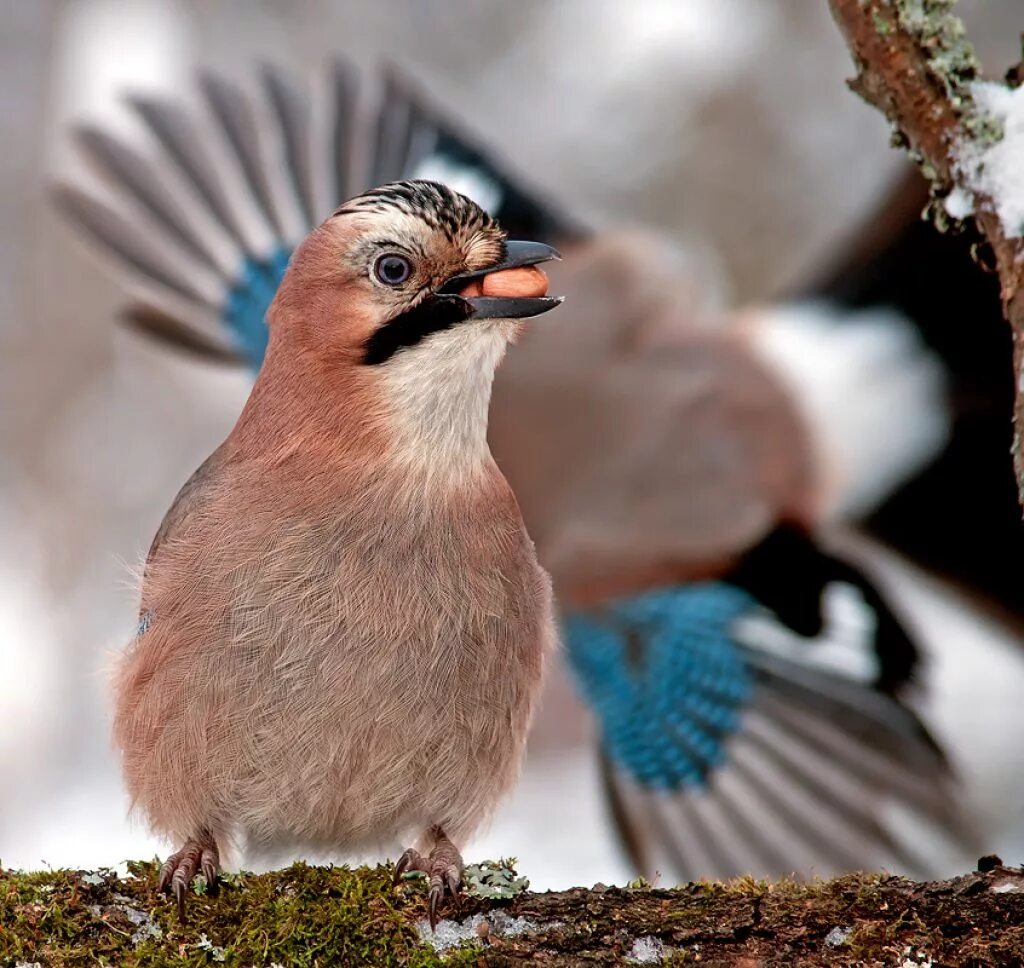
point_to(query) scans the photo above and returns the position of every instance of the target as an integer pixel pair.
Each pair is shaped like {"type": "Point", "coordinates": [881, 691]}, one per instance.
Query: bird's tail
{"type": "Point", "coordinates": [200, 225]}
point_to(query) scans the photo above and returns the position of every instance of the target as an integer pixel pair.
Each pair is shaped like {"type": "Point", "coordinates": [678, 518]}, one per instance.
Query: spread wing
{"type": "Point", "coordinates": [201, 225]}
{"type": "Point", "coordinates": [728, 751]}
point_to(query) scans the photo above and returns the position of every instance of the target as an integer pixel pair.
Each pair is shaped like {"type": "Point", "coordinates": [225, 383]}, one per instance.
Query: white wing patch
{"type": "Point", "coordinates": [845, 646]}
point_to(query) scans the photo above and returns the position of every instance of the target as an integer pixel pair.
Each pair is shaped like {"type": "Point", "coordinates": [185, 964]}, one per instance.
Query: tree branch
{"type": "Point", "coordinates": [915, 65]}
{"type": "Point", "coordinates": [327, 916]}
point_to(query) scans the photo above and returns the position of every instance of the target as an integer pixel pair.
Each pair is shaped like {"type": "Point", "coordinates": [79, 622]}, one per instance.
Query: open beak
{"type": "Point", "coordinates": [518, 255]}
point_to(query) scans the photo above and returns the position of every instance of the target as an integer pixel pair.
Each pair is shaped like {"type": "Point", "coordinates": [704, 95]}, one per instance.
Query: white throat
{"type": "Point", "coordinates": [438, 394]}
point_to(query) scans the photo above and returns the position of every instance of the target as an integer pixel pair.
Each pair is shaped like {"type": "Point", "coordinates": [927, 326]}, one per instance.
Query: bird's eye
{"type": "Point", "coordinates": [392, 270]}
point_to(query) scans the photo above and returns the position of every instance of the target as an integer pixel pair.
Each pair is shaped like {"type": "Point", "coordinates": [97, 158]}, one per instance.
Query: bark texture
{"type": "Point", "coordinates": [328, 916]}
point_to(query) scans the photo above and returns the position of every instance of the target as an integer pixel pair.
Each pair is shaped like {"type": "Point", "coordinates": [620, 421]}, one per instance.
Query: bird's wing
{"type": "Point", "coordinates": [895, 260]}
{"type": "Point", "coordinates": [415, 137]}
{"type": "Point", "coordinates": [202, 224]}
{"type": "Point", "coordinates": [728, 751]}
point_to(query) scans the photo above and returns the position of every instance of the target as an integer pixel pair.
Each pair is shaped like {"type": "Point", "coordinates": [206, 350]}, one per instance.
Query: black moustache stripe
{"type": "Point", "coordinates": [433, 314]}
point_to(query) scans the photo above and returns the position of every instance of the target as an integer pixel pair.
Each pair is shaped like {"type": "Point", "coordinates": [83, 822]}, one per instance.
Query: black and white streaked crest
{"type": "Point", "coordinates": [441, 208]}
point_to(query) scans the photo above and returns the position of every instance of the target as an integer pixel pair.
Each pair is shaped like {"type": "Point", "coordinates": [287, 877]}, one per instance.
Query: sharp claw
{"type": "Point", "coordinates": [209, 868]}
{"type": "Point", "coordinates": [401, 866]}
{"type": "Point", "coordinates": [444, 869]}
{"type": "Point", "coordinates": [179, 869]}
{"type": "Point", "coordinates": [179, 895]}
{"type": "Point", "coordinates": [166, 873]}
{"type": "Point", "coordinates": [436, 892]}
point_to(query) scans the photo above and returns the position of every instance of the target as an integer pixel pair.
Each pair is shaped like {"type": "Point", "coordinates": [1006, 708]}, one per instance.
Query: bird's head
{"type": "Point", "coordinates": [410, 270]}
{"type": "Point", "coordinates": [404, 301]}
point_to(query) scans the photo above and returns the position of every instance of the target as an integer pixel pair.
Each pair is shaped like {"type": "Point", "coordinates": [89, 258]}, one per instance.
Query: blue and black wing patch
{"type": "Point", "coordinates": [244, 313]}
{"type": "Point", "coordinates": [723, 758]}
{"type": "Point", "coordinates": [666, 711]}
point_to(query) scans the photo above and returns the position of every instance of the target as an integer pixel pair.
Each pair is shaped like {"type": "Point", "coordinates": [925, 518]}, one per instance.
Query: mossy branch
{"type": "Point", "coordinates": [914, 64]}
{"type": "Point", "coordinates": [323, 916]}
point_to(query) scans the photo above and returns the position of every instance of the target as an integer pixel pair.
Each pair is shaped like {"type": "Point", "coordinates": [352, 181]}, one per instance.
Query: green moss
{"type": "Point", "coordinates": [334, 916]}
{"type": "Point", "coordinates": [302, 916]}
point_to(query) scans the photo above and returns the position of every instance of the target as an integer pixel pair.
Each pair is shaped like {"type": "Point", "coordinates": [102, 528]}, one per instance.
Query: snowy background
{"type": "Point", "coordinates": [724, 123]}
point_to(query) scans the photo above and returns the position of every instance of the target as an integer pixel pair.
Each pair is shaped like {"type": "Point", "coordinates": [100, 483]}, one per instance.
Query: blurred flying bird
{"type": "Point", "coordinates": [343, 622]}
{"type": "Point", "coordinates": [749, 684]}
{"type": "Point", "coordinates": [750, 687]}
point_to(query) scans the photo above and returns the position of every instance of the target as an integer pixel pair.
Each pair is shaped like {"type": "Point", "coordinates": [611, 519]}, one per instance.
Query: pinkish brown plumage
{"type": "Point", "coordinates": [345, 622]}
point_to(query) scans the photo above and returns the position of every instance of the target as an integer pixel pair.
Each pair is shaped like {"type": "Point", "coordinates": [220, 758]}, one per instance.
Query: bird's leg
{"type": "Point", "coordinates": [443, 867]}
{"type": "Point", "coordinates": [180, 869]}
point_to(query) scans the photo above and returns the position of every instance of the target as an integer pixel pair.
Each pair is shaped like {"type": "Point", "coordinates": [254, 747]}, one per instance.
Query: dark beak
{"type": "Point", "coordinates": [517, 256]}
{"type": "Point", "coordinates": [520, 254]}
{"type": "Point", "coordinates": [511, 307]}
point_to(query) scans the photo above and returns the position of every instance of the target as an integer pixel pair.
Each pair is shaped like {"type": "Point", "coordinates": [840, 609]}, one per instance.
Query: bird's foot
{"type": "Point", "coordinates": [443, 867]}
{"type": "Point", "coordinates": [180, 869]}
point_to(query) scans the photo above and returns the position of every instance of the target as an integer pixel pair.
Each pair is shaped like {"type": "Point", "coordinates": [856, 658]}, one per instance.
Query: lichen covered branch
{"type": "Point", "coordinates": [330, 916]}
{"type": "Point", "coordinates": [915, 65]}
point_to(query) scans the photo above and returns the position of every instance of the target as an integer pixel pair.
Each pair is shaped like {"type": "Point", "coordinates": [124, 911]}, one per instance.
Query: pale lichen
{"type": "Point", "coordinates": [951, 60]}
{"type": "Point", "coordinates": [941, 36]}
{"type": "Point", "coordinates": [837, 937]}
{"type": "Point", "coordinates": [647, 951]}
{"type": "Point", "coordinates": [476, 930]}
{"type": "Point", "coordinates": [494, 880]}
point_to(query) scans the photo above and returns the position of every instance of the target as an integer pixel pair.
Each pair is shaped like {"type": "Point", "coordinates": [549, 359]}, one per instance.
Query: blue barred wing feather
{"type": "Point", "coordinates": [201, 227]}
{"type": "Point", "coordinates": [724, 757]}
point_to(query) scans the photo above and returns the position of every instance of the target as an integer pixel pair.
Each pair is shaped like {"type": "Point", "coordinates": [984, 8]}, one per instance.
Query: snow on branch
{"type": "Point", "coordinates": [915, 64]}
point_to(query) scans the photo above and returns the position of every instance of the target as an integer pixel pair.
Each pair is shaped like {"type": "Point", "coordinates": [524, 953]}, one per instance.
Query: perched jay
{"type": "Point", "coordinates": [343, 619]}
